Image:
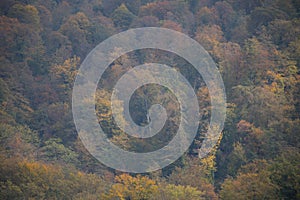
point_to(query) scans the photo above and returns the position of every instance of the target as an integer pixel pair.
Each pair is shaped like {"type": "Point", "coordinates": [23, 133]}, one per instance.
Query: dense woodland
{"type": "Point", "coordinates": [256, 46]}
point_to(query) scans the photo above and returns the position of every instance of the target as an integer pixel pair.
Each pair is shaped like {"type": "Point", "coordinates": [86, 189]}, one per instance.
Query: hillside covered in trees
{"type": "Point", "coordinates": [256, 46]}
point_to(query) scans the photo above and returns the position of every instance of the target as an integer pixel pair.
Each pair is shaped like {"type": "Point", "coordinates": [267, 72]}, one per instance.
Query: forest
{"type": "Point", "coordinates": [256, 47]}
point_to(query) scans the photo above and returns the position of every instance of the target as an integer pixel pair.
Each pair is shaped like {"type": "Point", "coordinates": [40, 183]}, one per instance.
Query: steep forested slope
{"type": "Point", "coordinates": [256, 46]}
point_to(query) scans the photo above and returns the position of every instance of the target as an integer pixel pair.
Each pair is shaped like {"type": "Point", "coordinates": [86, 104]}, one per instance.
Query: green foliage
{"type": "Point", "coordinates": [261, 16]}
{"type": "Point", "coordinates": [33, 180]}
{"type": "Point", "coordinates": [285, 173]}
{"type": "Point", "coordinates": [256, 47]}
{"type": "Point", "coordinates": [26, 14]}
{"type": "Point", "coordinates": [18, 141]}
{"type": "Point", "coordinates": [122, 17]}
{"type": "Point", "coordinates": [54, 150]}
